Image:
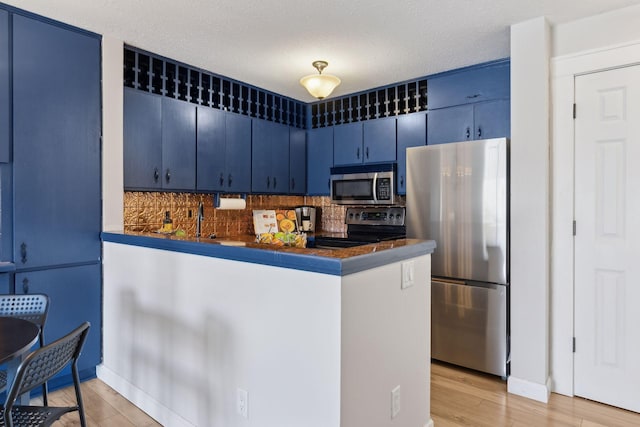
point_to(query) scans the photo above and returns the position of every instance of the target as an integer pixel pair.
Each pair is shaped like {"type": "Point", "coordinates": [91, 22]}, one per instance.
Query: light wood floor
{"type": "Point", "coordinates": [459, 397]}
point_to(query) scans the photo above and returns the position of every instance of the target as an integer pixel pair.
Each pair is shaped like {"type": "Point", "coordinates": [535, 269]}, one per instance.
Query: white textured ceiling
{"type": "Point", "coordinates": [271, 44]}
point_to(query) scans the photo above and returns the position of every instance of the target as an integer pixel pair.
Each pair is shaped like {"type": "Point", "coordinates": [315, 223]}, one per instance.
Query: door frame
{"type": "Point", "coordinates": [564, 69]}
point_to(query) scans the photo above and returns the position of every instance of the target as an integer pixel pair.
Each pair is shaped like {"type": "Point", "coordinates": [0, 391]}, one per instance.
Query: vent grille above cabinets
{"type": "Point", "coordinates": [394, 100]}
{"type": "Point", "coordinates": [155, 74]}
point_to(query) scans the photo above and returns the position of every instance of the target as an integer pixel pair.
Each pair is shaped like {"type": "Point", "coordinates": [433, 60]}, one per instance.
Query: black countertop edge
{"type": "Point", "coordinates": [312, 262]}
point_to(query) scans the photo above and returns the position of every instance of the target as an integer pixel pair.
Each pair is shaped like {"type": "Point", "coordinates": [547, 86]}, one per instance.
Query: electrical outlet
{"type": "Point", "coordinates": [395, 401]}
{"type": "Point", "coordinates": [407, 274]}
{"type": "Point", "coordinates": [242, 403]}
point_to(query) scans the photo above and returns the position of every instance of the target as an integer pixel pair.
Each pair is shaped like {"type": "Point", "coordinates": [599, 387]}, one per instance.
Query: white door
{"type": "Point", "coordinates": [607, 241]}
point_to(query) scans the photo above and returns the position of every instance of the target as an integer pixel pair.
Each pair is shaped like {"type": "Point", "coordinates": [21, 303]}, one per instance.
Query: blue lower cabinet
{"type": "Point", "coordinates": [412, 132]}
{"type": "Point", "coordinates": [5, 99]}
{"type": "Point", "coordinates": [319, 161]}
{"type": "Point", "coordinates": [75, 296]}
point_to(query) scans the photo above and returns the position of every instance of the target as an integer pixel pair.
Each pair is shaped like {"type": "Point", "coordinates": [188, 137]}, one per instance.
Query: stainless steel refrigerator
{"type": "Point", "coordinates": [457, 195]}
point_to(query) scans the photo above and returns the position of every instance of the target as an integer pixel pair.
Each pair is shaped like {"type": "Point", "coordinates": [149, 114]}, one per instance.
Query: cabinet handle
{"type": "Point", "coordinates": [230, 180]}
{"type": "Point", "coordinates": [293, 183]}
{"type": "Point", "coordinates": [473, 96]}
{"type": "Point", "coordinates": [479, 132]}
{"type": "Point", "coordinates": [268, 182]}
{"type": "Point", "coordinates": [274, 183]}
{"type": "Point", "coordinates": [358, 153]}
{"type": "Point", "coordinates": [221, 179]}
{"type": "Point", "coordinates": [329, 183]}
{"type": "Point", "coordinates": [168, 175]}
{"type": "Point", "coordinates": [25, 285]}
{"type": "Point", "coordinates": [468, 133]}
{"type": "Point", "coordinates": [401, 180]}
{"type": "Point", "coordinates": [23, 253]}
{"type": "Point", "coordinates": [156, 175]}
{"type": "Point", "coordinates": [367, 152]}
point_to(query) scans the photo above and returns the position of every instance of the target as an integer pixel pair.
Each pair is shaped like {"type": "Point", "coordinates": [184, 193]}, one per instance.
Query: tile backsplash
{"type": "Point", "coordinates": [144, 211]}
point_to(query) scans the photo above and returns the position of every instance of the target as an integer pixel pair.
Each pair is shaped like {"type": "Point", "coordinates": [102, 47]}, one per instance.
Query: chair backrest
{"type": "Point", "coordinates": [41, 365]}
{"type": "Point", "coordinates": [31, 307]}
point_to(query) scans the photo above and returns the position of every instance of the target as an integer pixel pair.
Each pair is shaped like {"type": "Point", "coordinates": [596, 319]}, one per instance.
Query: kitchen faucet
{"type": "Point", "coordinates": [199, 218]}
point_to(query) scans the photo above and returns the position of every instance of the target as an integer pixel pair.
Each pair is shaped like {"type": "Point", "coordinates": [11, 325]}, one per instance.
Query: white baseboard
{"type": "Point", "coordinates": [142, 400]}
{"type": "Point", "coordinates": [429, 424]}
{"type": "Point", "coordinates": [530, 390]}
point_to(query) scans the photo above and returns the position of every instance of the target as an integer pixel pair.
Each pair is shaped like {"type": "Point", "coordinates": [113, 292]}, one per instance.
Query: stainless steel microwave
{"type": "Point", "coordinates": [363, 185]}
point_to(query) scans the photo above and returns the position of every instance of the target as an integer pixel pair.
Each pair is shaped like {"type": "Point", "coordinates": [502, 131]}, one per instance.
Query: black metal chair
{"type": "Point", "coordinates": [37, 368]}
{"type": "Point", "coordinates": [31, 307]}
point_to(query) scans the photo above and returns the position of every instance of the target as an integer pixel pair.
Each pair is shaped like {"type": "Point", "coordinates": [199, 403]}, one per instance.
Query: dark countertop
{"type": "Point", "coordinates": [338, 262]}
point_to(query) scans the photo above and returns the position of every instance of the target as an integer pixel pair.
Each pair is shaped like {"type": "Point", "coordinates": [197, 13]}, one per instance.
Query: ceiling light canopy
{"type": "Point", "coordinates": [320, 85]}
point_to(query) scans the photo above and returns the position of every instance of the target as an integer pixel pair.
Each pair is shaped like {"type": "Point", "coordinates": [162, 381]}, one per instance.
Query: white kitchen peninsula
{"type": "Point", "coordinates": [315, 337]}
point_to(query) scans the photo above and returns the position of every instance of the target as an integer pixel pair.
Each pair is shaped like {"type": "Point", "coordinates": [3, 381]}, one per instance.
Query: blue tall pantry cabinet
{"type": "Point", "coordinates": [56, 140]}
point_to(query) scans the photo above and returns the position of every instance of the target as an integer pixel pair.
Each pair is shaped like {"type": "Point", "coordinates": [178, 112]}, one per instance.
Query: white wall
{"type": "Point", "coordinates": [112, 117]}
{"type": "Point", "coordinates": [530, 48]}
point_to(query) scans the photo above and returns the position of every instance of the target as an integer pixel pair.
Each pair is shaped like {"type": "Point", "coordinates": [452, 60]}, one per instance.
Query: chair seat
{"type": "Point", "coordinates": [32, 416]}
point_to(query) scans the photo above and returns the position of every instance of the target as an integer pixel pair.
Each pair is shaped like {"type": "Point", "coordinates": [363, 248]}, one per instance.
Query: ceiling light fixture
{"type": "Point", "coordinates": [320, 85]}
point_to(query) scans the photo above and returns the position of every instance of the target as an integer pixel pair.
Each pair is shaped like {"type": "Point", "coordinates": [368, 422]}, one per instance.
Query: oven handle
{"type": "Point", "coordinates": [375, 187]}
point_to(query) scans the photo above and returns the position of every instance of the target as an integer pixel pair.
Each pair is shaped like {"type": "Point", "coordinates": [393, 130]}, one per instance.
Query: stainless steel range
{"type": "Point", "coordinates": [366, 225]}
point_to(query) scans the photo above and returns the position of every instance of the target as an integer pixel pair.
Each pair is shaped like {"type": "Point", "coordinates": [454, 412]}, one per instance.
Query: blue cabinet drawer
{"type": "Point", "coordinates": [470, 86]}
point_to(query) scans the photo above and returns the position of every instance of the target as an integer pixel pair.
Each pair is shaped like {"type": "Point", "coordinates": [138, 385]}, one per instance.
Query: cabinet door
{"type": "Point", "coordinates": [319, 161]}
{"type": "Point", "coordinates": [347, 144]}
{"type": "Point", "coordinates": [297, 161]}
{"type": "Point", "coordinates": [211, 168]}
{"type": "Point", "coordinates": [56, 123]}
{"type": "Point", "coordinates": [269, 157]}
{"type": "Point", "coordinates": [142, 140]}
{"type": "Point", "coordinates": [412, 132]}
{"type": "Point", "coordinates": [238, 153]}
{"type": "Point", "coordinates": [178, 145]}
{"type": "Point", "coordinates": [75, 296]}
{"type": "Point", "coordinates": [452, 124]}
{"type": "Point", "coordinates": [280, 158]}
{"type": "Point", "coordinates": [5, 100]}
{"type": "Point", "coordinates": [379, 140]}
{"type": "Point", "coordinates": [470, 86]}
{"type": "Point", "coordinates": [491, 119]}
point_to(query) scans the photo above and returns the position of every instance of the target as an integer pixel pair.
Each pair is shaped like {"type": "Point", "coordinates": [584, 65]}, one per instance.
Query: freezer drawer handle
{"type": "Point", "coordinates": [449, 281]}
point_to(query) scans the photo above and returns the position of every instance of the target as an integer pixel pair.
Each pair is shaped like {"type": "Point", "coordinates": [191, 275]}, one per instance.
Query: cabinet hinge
{"type": "Point", "coordinates": [574, 110]}
{"type": "Point", "coordinates": [574, 227]}
{"type": "Point", "coordinates": [574, 344]}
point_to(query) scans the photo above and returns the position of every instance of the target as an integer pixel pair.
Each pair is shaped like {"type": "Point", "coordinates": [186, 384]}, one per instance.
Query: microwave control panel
{"type": "Point", "coordinates": [376, 216]}
{"type": "Point", "coordinates": [384, 190]}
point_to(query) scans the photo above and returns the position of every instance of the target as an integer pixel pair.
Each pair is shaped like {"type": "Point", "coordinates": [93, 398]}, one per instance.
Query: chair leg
{"type": "Point", "coordinates": [76, 384]}
{"type": "Point", "coordinates": [45, 390]}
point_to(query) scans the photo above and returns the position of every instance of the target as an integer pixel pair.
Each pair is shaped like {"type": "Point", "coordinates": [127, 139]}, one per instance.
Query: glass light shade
{"type": "Point", "coordinates": [320, 85]}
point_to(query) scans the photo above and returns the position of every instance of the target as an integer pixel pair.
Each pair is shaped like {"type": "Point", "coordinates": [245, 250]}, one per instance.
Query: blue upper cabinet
{"type": "Point", "coordinates": [379, 140]}
{"type": "Point", "coordinates": [412, 132]}
{"type": "Point", "coordinates": [469, 104]}
{"type": "Point", "coordinates": [178, 145]}
{"type": "Point", "coordinates": [238, 153]}
{"type": "Point", "coordinates": [223, 151]}
{"type": "Point", "coordinates": [142, 140]}
{"type": "Point", "coordinates": [471, 85]}
{"type": "Point", "coordinates": [319, 161]}
{"type": "Point", "coordinates": [347, 144]}
{"type": "Point", "coordinates": [5, 99]}
{"type": "Point", "coordinates": [56, 145]}
{"type": "Point", "coordinates": [297, 161]}
{"type": "Point", "coordinates": [371, 141]}
{"type": "Point", "coordinates": [269, 157]}
{"type": "Point", "coordinates": [159, 142]}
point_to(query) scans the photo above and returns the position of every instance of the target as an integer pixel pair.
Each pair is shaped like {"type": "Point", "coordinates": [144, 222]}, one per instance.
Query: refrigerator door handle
{"type": "Point", "coordinates": [375, 187]}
